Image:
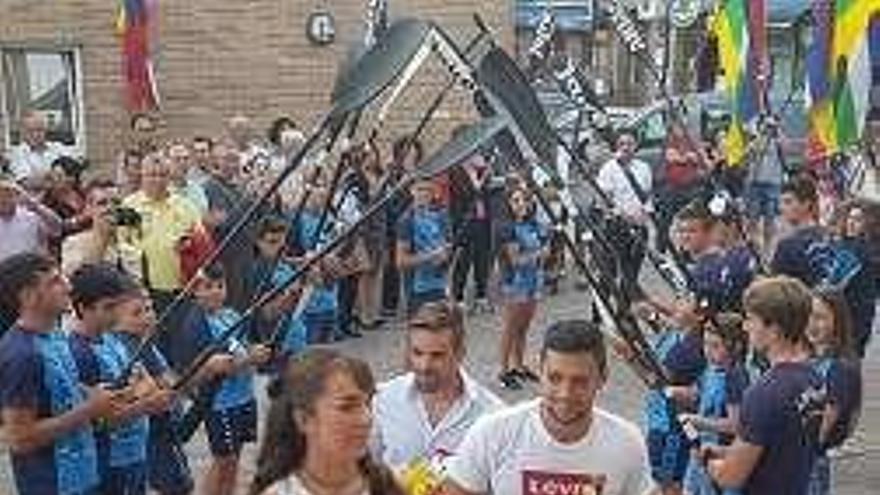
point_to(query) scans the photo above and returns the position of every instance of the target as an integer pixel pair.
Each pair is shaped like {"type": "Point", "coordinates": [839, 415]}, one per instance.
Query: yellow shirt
{"type": "Point", "coordinates": [164, 223]}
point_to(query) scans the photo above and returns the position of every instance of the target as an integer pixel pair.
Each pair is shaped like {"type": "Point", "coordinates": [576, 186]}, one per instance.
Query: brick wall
{"type": "Point", "coordinates": [221, 57]}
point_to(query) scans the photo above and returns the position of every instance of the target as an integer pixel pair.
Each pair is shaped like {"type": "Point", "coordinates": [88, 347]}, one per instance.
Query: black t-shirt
{"type": "Point", "coordinates": [793, 254]}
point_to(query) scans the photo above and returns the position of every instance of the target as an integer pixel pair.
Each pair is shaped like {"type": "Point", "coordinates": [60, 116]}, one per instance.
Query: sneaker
{"type": "Point", "coordinates": [526, 374]}
{"type": "Point", "coordinates": [509, 380]}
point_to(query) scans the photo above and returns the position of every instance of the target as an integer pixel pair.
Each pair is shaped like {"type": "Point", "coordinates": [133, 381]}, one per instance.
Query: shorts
{"type": "Point", "coordinates": [669, 453]}
{"type": "Point", "coordinates": [321, 328]}
{"type": "Point", "coordinates": [698, 482]}
{"type": "Point", "coordinates": [124, 480]}
{"type": "Point", "coordinates": [229, 429]}
{"type": "Point", "coordinates": [820, 476]}
{"type": "Point", "coordinates": [762, 200]}
{"type": "Point", "coordinates": [168, 469]}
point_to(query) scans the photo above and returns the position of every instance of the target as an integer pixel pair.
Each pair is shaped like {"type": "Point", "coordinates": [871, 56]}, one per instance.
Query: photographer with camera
{"type": "Point", "coordinates": [111, 236]}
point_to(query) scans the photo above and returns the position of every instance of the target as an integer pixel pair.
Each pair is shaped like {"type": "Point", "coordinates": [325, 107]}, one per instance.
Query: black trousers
{"type": "Point", "coordinates": [475, 253]}
{"type": "Point", "coordinates": [348, 291]}
{"type": "Point", "coordinates": [390, 279]}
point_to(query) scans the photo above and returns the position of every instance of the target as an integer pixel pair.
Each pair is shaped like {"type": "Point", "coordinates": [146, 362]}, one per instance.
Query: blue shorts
{"type": "Point", "coordinates": [669, 453]}
{"type": "Point", "coordinates": [124, 480]}
{"type": "Point", "coordinates": [698, 482]}
{"type": "Point", "coordinates": [321, 328]}
{"type": "Point", "coordinates": [167, 466]}
{"type": "Point", "coordinates": [762, 200]}
{"type": "Point", "coordinates": [820, 476]}
{"type": "Point", "coordinates": [229, 429]}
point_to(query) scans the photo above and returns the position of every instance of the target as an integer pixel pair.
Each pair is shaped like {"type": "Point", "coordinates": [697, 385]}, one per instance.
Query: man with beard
{"type": "Point", "coordinates": [560, 442]}
{"type": "Point", "coordinates": [423, 415]}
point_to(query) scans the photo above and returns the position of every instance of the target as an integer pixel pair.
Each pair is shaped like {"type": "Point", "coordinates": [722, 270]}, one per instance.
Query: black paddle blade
{"type": "Point", "coordinates": [460, 147]}
{"type": "Point", "coordinates": [499, 75]}
{"type": "Point", "coordinates": [377, 68]}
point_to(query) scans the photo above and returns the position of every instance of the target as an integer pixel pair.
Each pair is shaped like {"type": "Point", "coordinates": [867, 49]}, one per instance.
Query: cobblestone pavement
{"type": "Point", "coordinates": [855, 473]}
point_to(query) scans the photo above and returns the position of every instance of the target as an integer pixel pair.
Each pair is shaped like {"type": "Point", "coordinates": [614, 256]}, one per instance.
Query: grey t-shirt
{"type": "Point", "coordinates": [767, 168]}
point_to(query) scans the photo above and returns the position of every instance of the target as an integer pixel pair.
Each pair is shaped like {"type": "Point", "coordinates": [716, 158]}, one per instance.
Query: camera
{"type": "Point", "coordinates": [124, 216]}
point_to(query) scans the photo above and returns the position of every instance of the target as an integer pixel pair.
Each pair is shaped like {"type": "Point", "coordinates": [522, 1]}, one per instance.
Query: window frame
{"type": "Point", "coordinates": [78, 119]}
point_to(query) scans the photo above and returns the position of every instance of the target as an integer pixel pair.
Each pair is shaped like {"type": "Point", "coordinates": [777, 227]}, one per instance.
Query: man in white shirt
{"type": "Point", "coordinates": [423, 415]}
{"type": "Point", "coordinates": [627, 182]}
{"type": "Point", "coordinates": [25, 224]}
{"type": "Point", "coordinates": [32, 159]}
{"type": "Point", "coordinates": [560, 442]}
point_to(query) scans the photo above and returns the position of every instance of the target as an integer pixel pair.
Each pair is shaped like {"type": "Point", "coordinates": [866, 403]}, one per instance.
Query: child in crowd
{"type": "Point", "coordinates": [717, 395]}
{"type": "Point", "coordinates": [279, 325]}
{"type": "Point", "coordinates": [320, 314]}
{"type": "Point", "coordinates": [168, 471]}
{"type": "Point", "coordinates": [423, 249]}
{"type": "Point", "coordinates": [522, 250]}
{"type": "Point", "coordinates": [231, 421]}
{"type": "Point", "coordinates": [835, 361]}
{"type": "Point", "coordinates": [102, 358]}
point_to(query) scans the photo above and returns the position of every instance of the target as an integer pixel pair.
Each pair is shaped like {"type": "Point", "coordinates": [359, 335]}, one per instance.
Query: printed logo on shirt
{"type": "Point", "coordinates": [545, 483]}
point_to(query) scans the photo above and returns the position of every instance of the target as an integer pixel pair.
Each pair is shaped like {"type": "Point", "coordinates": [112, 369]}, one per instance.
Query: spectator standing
{"type": "Point", "coordinates": [25, 224]}
{"type": "Point", "coordinates": [31, 160]}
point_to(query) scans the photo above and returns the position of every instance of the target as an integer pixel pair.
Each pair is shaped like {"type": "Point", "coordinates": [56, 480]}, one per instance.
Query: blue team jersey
{"type": "Point", "coordinates": [102, 359]}
{"type": "Point", "coordinates": [842, 381]}
{"type": "Point", "coordinates": [324, 297]}
{"type": "Point", "coordinates": [425, 229]}
{"type": "Point", "coordinates": [719, 388]}
{"type": "Point", "coordinates": [658, 409]}
{"type": "Point", "coordinates": [720, 278]}
{"type": "Point", "coordinates": [238, 389]}
{"type": "Point", "coordinates": [38, 372]}
{"type": "Point", "coordinates": [523, 279]}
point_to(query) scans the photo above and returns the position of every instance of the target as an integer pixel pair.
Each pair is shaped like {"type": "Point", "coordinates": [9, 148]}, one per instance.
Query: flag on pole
{"type": "Point", "coordinates": [839, 74]}
{"type": "Point", "coordinates": [135, 25]}
{"type": "Point", "coordinates": [851, 69]}
{"type": "Point", "coordinates": [731, 28]}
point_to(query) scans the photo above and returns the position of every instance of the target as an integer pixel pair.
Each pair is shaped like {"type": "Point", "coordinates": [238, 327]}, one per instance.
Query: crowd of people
{"type": "Point", "coordinates": [139, 301]}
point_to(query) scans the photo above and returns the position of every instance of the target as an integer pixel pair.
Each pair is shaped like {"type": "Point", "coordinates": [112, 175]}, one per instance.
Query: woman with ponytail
{"type": "Point", "coordinates": [317, 432]}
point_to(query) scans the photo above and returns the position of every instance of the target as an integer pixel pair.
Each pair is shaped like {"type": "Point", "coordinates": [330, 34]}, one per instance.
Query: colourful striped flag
{"type": "Point", "coordinates": [731, 27]}
{"type": "Point", "coordinates": [852, 69]}
{"type": "Point", "coordinates": [135, 24]}
{"type": "Point", "coordinates": [838, 74]}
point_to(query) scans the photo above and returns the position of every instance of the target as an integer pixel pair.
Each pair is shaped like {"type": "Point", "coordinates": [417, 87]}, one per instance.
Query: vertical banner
{"type": "Point", "coordinates": [136, 25]}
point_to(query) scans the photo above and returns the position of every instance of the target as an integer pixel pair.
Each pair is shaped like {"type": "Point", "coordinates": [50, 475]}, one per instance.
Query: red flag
{"type": "Point", "coordinates": [136, 26]}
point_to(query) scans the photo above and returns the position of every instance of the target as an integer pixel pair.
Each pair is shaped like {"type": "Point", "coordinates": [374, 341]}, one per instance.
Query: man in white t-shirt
{"type": "Point", "coordinates": [25, 223]}
{"type": "Point", "coordinates": [31, 160]}
{"type": "Point", "coordinates": [424, 414]}
{"type": "Point", "coordinates": [627, 181]}
{"type": "Point", "coordinates": [558, 443]}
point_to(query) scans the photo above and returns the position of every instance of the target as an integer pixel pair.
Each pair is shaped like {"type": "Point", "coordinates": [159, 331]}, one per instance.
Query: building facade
{"type": "Point", "coordinates": [214, 58]}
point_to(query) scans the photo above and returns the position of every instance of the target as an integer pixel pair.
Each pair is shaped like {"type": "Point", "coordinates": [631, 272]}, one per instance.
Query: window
{"type": "Point", "coordinates": [47, 81]}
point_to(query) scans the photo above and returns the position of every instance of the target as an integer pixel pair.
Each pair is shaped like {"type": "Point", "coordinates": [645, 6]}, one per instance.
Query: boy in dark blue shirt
{"type": "Point", "coordinates": [423, 247]}
{"type": "Point", "coordinates": [46, 413]}
{"type": "Point", "coordinates": [101, 357]}
{"type": "Point", "coordinates": [794, 252]}
{"type": "Point", "coordinates": [168, 469]}
{"type": "Point", "coordinates": [777, 434]}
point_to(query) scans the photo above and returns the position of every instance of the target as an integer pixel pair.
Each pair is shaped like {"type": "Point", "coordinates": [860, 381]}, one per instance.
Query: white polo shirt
{"type": "Point", "coordinates": [402, 432]}
{"type": "Point", "coordinates": [612, 179]}
{"type": "Point", "coordinates": [27, 163]}
{"type": "Point", "coordinates": [512, 453]}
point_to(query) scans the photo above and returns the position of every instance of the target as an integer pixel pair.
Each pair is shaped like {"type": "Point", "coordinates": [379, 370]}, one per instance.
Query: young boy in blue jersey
{"type": "Point", "coordinates": [717, 396]}
{"type": "Point", "coordinates": [835, 361]}
{"type": "Point", "coordinates": [277, 320]}
{"type": "Point", "coordinates": [778, 429]}
{"type": "Point", "coordinates": [320, 314]}
{"type": "Point", "coordinates": [423, 247]}
{"type": "Point", "coordinates": [522, 242]}
{"type": "Point", "coordinates": [46, 412]}
{"type": "Point", "coordinates": [232, 417]}
{"type": "Point", "coordinates": [101, 357]}
{"type": "Point", "coordinates": [168, 471]}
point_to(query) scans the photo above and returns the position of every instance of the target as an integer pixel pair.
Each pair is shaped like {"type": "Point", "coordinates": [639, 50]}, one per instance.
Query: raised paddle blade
{"type": "Point", "coordinates": [460, 147]}
{"type": "Point", "coordinates": [508, 88]}
{"type": "Point", "coordinates": [377, 68]}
